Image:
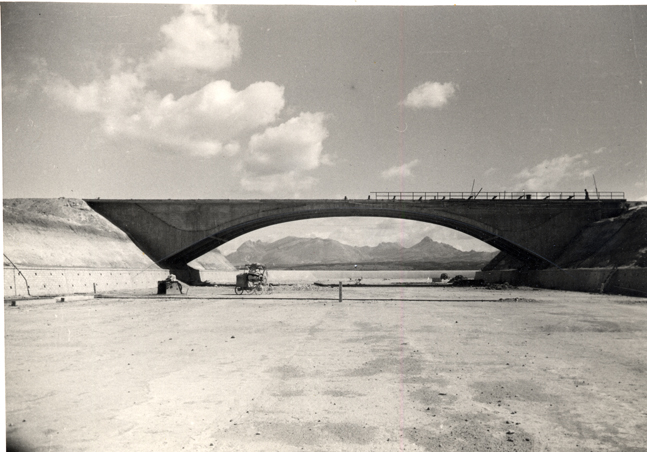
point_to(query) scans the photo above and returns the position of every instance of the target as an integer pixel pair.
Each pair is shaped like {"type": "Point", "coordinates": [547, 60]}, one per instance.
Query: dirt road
{"type": "Point", "coordinates": [388, 369]}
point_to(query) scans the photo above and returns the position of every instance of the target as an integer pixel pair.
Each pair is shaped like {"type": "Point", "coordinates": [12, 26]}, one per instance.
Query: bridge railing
{"type": "Point", "coordinates": [510, 195]}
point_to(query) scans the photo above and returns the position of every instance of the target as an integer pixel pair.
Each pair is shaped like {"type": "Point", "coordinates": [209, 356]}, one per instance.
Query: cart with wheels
{"type": "Point", "coordinates": [254, 279]}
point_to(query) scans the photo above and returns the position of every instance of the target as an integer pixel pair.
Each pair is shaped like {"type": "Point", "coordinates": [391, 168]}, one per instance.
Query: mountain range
{"type": "Point", "coordinates": [317, 253]}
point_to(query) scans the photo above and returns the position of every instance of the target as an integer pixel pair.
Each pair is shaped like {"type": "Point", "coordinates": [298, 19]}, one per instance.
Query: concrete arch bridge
{"type": "Point", "coordinates": [534, 228]}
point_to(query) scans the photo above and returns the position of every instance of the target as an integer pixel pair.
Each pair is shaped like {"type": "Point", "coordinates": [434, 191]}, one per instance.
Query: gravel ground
{"type": "Point", "coordinates": [388, 369]}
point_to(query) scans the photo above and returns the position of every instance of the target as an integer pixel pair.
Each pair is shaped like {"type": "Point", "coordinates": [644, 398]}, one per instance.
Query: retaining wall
{"type": "Point", "coordinates": [625, 281]}
{"type": "Point", "coordinates": [45, 281]}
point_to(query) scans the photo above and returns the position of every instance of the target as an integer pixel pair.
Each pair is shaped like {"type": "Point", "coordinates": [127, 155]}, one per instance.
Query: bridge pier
{"type": "Point", "coordinates": [187, 274]}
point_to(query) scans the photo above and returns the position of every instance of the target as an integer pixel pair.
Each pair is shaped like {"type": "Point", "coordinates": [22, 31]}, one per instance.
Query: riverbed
{"type": "Point", "coordinates": [387, 369]}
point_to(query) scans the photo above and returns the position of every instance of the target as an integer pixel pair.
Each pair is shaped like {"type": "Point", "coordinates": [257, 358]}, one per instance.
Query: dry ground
{"type": "Point", "coordinates": [388, 369]}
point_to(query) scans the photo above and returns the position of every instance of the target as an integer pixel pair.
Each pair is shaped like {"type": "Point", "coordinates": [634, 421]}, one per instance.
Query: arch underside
{"type": "Point", "coordinates": [207, 244]}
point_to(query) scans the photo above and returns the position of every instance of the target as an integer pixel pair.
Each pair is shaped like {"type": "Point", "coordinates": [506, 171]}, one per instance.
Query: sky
{"type": "Point", "coordinates": [140, 101]}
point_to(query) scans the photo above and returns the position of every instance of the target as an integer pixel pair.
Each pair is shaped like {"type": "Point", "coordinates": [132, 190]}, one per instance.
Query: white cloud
{"type": "Point", "coordinates": [430, 95]}
{"type": "Point", "coordinates": [120, 94]}
{"type": "Point", "coordinates": [295, 145]}
{"type": "Point", "coordinates": [205, 122]}
{"type": "Point", "coordinates": [197, 40]}
{"type": "Point", "coordinates": [212, 120]}
{"type": "Point", "coordinates": [600, 150]}
{"type": "Point", "coordinates": [279, 157]}
{"type": "Point", "coordinates": [550, 174]}
{"type": "Point", "coordinates": [400, 171]}
{"type": "Point", "coordinates": [208, 121]}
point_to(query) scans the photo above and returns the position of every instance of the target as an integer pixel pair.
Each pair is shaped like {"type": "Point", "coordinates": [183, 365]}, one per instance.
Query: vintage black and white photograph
{"type": "Point", "coordinates": [344, 227]}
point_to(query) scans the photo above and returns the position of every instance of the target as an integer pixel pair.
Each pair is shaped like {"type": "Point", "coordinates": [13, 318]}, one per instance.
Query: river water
{"type": "Point", "coordinates": [331, 276]}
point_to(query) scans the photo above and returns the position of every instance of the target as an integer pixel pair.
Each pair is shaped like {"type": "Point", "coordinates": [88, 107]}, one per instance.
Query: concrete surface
{"type": "Point", "coordinates": [174, 232]}
{"type": "Point", "coordinates": [388, 369]}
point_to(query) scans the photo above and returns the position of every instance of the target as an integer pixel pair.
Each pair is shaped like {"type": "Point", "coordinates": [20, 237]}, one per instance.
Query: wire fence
{"type": "Point", "coordinates": [504, 195]}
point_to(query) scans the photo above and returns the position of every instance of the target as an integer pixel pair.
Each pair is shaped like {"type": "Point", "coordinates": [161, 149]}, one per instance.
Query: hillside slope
{"type": "Point", "coordinates": [66, 232]}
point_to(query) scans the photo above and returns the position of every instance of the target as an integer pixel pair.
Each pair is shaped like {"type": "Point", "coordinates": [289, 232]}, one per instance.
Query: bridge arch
{"type": "Point", "coordinates": [473, 228]}
{"type": "Point", "coordinates": [175, 232]}
{"type": "Point", "coordinates": [360, 231]}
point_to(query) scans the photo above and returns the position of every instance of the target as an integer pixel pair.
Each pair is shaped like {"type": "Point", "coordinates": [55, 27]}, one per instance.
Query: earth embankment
{"type": "Point", "coordinates": [65, 233]}
{"type": "Point", "coordinates": [609, 256]}
{"type": "Point", "coordinates": [63, 246]}
{"type": "Point", "coordinates": [619, 242]}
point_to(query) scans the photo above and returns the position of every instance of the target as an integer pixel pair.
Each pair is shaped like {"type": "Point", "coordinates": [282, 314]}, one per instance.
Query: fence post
{"type": "Point", "coordinates": [340, 291]}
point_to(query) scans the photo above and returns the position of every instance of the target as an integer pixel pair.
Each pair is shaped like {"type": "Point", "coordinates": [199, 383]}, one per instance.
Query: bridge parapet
{"type": "Point", "coordinates": [497, 196]}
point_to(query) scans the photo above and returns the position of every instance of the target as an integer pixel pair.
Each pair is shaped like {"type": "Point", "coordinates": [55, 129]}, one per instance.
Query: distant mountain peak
{"type": "Point", "coordinates": [293, 251]}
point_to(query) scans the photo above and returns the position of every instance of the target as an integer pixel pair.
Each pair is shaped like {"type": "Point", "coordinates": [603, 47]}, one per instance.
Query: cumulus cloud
{"type": "Point", "coordinates": [280, 156]}
{"type": "Point", "coordinates": [549, 174]}
{"type": "Point", "coordinates": [199, 39]}
{"type": "Point", "coordinates": [205, 122]}
{"type": "Point", "coordinates": [295, 145]}
{"type": "Point", "coordinates": [430, 95]}
{"type": "Point", "coordinates": [400, 171]}
{"type": "Point", "coordinates": [215, 119]}
{"type": "Point", "coordinates": [209, 121]}
{"type": "Point", "coordinates": [119, 94]}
